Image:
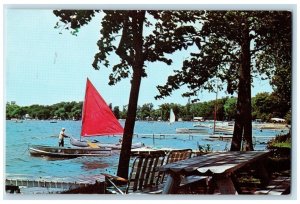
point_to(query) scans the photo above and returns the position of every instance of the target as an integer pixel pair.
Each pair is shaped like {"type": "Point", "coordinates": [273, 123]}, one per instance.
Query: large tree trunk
{"type": "Point", "coordinates": [138, 63]}
{"type": "Point", "coordinates": [238, 125]}
{"type": "Point", "coordinates": [243, 122]}
{"type": "Point", "coordinates": [246, 77]}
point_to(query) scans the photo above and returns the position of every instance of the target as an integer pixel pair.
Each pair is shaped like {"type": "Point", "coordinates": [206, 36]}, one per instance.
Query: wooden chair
{"type": "Point", "coordinates": [174, 156]}
{"type": "Point", "coordinates": [178, 155]}
{"type": "Point", "coordinates": [144, 176]}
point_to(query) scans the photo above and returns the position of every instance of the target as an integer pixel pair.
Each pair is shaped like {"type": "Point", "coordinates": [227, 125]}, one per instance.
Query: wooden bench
{"type": "Point", "coordinates": [278, 186]}
{"type": "Point", "coordinates": [220, 166]}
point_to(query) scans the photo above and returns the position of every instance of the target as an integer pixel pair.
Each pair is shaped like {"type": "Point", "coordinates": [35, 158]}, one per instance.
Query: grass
{"type": "Point", "coordinates": [282, 145]}
{"type": "Point", "coordinates": [280, 141]}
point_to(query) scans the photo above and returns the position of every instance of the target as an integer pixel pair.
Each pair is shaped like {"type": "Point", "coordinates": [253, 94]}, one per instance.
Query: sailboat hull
{"type": "Point", "coordinates": [62, 152]}
{"type": "Point", "coordinates": [78, 143]}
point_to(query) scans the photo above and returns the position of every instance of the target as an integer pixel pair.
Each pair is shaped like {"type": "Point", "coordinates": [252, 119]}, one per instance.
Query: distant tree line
{"type": "Point", "coordinates": [62, 110]}
{"type": "Point", "coordinates": [264, 107]}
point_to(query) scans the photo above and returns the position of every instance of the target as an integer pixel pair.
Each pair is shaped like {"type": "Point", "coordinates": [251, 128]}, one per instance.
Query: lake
{"type": "Point", "coordinates": [19, 136]}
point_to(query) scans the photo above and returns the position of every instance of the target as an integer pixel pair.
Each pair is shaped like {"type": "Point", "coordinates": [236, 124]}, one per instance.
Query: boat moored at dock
{"type": "Point", "coordinates": [192, 130]}
{"type": "Point", "coordinates": [67, 152]}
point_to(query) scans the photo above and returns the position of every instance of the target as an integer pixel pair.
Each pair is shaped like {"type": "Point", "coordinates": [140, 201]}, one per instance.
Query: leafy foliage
{"type": "Point", "coordinates": [263, 107]}
{"type": "Point", "coordinates": [166, 35]}
{"type": "Point", "coordinates": [136, 36]}
{"type": "Point", "coordinates": [73, 19]}
{"type": "Point", "coordinates": [234, 46]}
{"type": "Point", "coordinates": [63, 110]}
{"type": "Point", "coordinates": [230, 108]}
{"type": "Point", "coordinates": [219, 42]}
{"type": "Point", "coordinates": [284, 141]}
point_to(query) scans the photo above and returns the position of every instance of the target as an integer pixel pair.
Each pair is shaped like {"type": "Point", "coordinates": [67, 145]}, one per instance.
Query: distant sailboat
{"type": "Point", "coordinates": [172, 117]}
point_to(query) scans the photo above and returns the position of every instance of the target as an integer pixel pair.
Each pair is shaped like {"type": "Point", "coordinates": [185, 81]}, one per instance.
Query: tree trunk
{"type": "Point", "coordinates": [138, 63]}
{"type": "Point", "coordinates": [243, 123]}
{"type": "Point", "coordinates": [246, 75]}
{"type": "Point", "coordinates": [238, 125]}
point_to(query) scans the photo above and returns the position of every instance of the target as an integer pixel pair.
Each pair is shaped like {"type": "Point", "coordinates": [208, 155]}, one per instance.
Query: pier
{"type": "Point", "coordinates": [190, 136]}
{"type": "Point", "coordinates": [164, 135]}
{"type": "Point", "coordinates": [14, 182]}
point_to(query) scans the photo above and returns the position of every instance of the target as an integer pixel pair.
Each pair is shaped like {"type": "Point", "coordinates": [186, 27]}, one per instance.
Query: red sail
{"type": "Point", "coordinates": [97, 118]}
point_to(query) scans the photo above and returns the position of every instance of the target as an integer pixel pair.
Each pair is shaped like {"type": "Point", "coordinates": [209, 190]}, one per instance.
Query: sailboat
{"type": "Point", "coordinates": [98, 120]}
{"type": "Point", "coordinates": [172, 116]}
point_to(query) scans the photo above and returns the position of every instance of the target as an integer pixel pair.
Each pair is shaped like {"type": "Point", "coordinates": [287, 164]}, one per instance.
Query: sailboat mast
{"type": "Point", "coordinates": [215, 114]}
{"type": "Point", "coordinates": [83, 106]}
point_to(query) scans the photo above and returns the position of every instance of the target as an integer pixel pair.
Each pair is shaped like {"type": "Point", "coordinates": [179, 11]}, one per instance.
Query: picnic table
{"type": "Point", "coordinates": [221, 166]}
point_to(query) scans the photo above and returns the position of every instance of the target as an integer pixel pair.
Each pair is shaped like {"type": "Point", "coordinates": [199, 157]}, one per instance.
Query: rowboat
{"type": "Point", "coordinates": [67, 152]}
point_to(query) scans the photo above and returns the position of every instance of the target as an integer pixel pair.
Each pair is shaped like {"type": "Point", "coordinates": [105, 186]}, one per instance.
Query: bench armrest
{"type": "Point", "coordinates": [116, 178]}
{"type": "Point", "coordinates": [111, 178]}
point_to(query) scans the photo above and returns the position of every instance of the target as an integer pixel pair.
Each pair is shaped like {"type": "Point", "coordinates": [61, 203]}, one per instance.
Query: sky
{"type": "Point", "coordinates": [45, 67]}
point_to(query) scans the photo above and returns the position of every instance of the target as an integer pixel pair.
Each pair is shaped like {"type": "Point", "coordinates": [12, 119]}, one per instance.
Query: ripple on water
{"type": "Point", "coordinates": [41, 171]}
{"type": "Point", "coordinates": [35, 166]}
{"type": "Point", "coordinates": [21, 160]}
{"type": "Point", "coordinates": [35, 137]}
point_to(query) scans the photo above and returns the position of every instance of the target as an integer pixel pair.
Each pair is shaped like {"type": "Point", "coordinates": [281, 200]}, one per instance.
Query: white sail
{"type": "Point", "coordinates": [172, 116]}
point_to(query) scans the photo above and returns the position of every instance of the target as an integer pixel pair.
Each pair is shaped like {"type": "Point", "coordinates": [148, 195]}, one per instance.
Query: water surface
{"type": "Point", "coordinates": [20, 135]}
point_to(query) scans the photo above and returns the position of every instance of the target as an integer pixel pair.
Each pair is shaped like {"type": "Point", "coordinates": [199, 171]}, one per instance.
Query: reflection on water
{"type": "Point", "coordinates": [94, 165]}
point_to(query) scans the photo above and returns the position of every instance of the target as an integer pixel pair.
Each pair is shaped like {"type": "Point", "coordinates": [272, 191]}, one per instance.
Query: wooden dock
{"type": "Point", "coordinates": [13, 183]}
{"type": "Point", "coordinates": [192, 136]}
{"type": "Point", "coordinates": [188, 135]}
